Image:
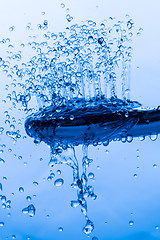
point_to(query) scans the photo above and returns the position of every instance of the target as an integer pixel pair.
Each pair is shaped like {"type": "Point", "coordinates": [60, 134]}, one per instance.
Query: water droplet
{"type": "Point", "coordinates": [28, 198]}
{"type": "Point", "coordinates": [59, 182]}
{"type": "Point", "coordinates": [62, 5]}
{"type": "Point", "coordinates": [154, 165]}
{"type": "Point", "coordinates": [72, 117]}
{"type": "Point", "coordinates": [135, 175]}
{"type": "Point", "coordinates": [35, 183]}
{"type": "Point", "coordinates": [106, 143]}
{"type": "Point", "coordinates": [157, 227]}
{"type": "Point", "coordinates": [30, 210]}
{"type": "Point", "coordinates": [69, 17]}
{"type": "Point", "coordinates": [94, 238]}
{"type": "Point", "coordinates": [88, 227]}
{"type": "Point", "coordinates": [21, 189]}
{"type": "Point", "coordinates": [131, 223]}
{"type": "Point", "coordinates": [1, 224]}
{"type": "Point", "coordinates": [91, 175]}
{"type": "Point", "coordinates": [75, 204]}
{"type": "Point", "coordinates": [60, 229]}
{"type": "Point", "coordinates": [13, 236]}
{"type": "Point", "coordinates": [11, 28]}
{"type": "Point", "coordinates": [142, 138]}
{"type": "Point", "coordinates": [2, 160]}
{"type": "Point", "coordinates": [153, 137]}
{"type": "Point", "coordinates": [59, 172]}
{"type": "Point", "coordinates": [3, 205]}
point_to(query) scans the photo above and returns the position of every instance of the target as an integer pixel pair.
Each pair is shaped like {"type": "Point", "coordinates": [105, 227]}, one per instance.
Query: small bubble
{"type": "Point", "coordinates": [135, 175]}
{"type": "Point", "coordinates": [13, 236]}
{"type": "Point", "coordinates": [94, 238]}
{"type": "Point", "coordinates": [59, 182]}
{"type": "Point", "coordinates": [60, 229]}
{"type": "Point", "coordinates": [5, 178]}
{"type": "Point", "coordinates": [21, 189]}
{"type": "Point", "coordinates": [131, 223]}
{"type": "Point", "coordinates": [20, 157]}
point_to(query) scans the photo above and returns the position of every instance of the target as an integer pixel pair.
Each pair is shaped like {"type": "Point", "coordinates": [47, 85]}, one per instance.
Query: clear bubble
{"type": "Point", "coordinates": [58, 182]}
{"type": "Point", "coordinates": [157, 227]}
{"type": "Point", "coordinates": [94, 238]}
{"type": "Point", "coordinates": [13, 236]}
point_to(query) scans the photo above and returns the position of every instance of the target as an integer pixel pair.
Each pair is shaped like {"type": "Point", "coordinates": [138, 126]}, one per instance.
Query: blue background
{"type": "Point", "coordinates": [121, 196]}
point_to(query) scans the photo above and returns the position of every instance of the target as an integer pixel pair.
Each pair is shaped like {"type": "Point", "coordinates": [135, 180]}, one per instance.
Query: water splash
{"type": "Point", "coordinates": [67, 76]}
